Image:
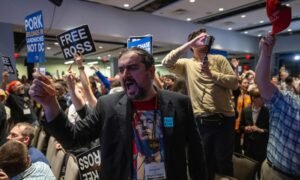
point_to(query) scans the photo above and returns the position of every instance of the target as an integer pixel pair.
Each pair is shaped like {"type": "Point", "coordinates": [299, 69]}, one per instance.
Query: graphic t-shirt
{"type": "Point", "coordinates": [148, 147]}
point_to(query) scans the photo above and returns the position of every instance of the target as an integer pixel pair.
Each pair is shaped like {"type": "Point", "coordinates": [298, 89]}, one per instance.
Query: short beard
{"type": "Point", "coordinates": [139, 96]}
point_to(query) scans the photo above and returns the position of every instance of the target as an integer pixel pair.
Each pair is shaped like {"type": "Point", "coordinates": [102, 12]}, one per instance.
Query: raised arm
{"type": "Point", "coordinates": [102, 78]}
{"type": "Point", "coordinates": [76, 98]}
{"type": "Point", "coordinates": [43, 91]}
{"type": "Point", "coordinates": [175, 54]}
{"type": "Point", "coordinates": [262, 77]}
{"type": "Point", "coordinates": [85, 81]}
{"type": "Point", "coordinates": [4, 82]}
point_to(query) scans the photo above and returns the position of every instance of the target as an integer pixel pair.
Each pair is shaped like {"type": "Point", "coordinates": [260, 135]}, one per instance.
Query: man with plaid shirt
{"type": "Point", "coordinates": [283, 152]}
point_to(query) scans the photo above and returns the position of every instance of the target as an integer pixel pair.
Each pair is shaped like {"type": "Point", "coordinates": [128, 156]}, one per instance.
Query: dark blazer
{"type": "Point", "coordinates": [255, 144]}
{"type": "Point", "coordinates": [112, 122]}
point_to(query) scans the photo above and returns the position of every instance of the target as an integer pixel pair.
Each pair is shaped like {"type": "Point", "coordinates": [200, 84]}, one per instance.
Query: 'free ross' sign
{"type": "Point", "coordinates": [77, 40]}
{"type": "Point", "coordinates": [89, 164]}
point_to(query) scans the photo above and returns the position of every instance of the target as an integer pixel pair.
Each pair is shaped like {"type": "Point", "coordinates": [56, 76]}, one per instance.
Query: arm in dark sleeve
{"type": "Point", "coordinates": [104, 80]}
{"type": "Point", "coordinates": [84, 111]}
{"type": "Point", "coordinates": [196, 161]}
{"type": "Point", "coordinates": [2, 116]}
{"type": "Point", "coordinates": [78, 134]}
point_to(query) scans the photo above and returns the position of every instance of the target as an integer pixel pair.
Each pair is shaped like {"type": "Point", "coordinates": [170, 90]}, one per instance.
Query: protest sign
{"type": "Point", "coordinates": [7, 65]}
{"type": "Point", "coordinates": [144, 42]}
{"type": "Point", "coordinates": [77, 40]}
{"type": "Point", "coordinates": [34, 27]}
{"type": "Point", "coordinates": [89, 164]}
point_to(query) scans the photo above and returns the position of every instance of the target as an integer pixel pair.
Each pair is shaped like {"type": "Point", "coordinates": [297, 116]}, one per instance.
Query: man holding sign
{"type": "Point", "coordinates": [144, 132]}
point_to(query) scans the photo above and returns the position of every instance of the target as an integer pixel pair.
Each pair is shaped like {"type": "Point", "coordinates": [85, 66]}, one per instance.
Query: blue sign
{"type": "Point", "coordinates": [143, 42]}
{"type": "Point", "coordinates": [34, 27]}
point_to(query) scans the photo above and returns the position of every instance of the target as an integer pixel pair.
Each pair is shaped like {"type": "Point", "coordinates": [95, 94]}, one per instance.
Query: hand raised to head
{"type": "Point", "coordinates": [198, 41]}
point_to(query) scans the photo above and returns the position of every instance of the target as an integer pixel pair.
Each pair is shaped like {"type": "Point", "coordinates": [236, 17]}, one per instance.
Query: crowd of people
{"type": "Point", "coordinates": [186, 124]}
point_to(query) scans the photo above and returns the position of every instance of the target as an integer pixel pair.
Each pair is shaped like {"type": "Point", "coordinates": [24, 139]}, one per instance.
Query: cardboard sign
{"type": "Point", "coordinates": [34, 27]}
{"type": "Point", "coordinates": [7, 65]}
{"type": "Point", "coordinates": [78, 40]}
{"type": "Point", "coordinates": [89, 164]}
{"type": "Point", "coordinates": [144, 42]}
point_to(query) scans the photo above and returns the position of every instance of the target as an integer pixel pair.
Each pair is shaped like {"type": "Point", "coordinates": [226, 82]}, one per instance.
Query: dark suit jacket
{"type": "Point", "coordinates": [255, 143]}
{"type": "Point", "coordinates": [112, 122]}
{"type": "Point", "coordinates": [3, 124]}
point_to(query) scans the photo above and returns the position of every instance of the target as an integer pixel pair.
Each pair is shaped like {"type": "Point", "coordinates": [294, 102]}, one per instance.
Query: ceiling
{"type": "Point", "coordinates": [237, 15]}
{"type": "Point", "coordinates": [244, 16]}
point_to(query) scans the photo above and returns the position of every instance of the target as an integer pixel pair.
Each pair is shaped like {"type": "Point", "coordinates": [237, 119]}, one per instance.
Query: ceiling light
{"type": "Point", "coordinates": [109, 55]}
{"type": "Point", "coordinates": [259, 35]}
{"type": "Point", "coordinates": [192, 1]}
{"type": "Point", "coordinates": [297, 57]}
{"type": "Point", "coordinates": [69, 62]}
{"type": "Point", "coordinates": [230, 28]}
{"type": "Point", "coordinates": [261, 21]}
{"type": "Point", "coordinates": [126, 5]}
{"type": "Point", "coordinates": [158, 65]}
{"type": "Point", "coordinates": [188, 19]}
{"type": "Point", "coordinates": [100, 47]}
{"type": "Point", "coordinates": [98, 57]}
{"type": "Point", "coordinates": [56, 43]}
{"type": "Point", "coordinates": [243, 16]}
{"type": "Point", "coordinates": [48, 48]}
{"type": "Point", "coordinates": [289, 30]}
{"type": "Point", "coordinates": [288, 5]}
{"type": "Point", "coordinates": [221, 9]}
{"type": "Point", "coordinates": [245, 32]}
{"type": "Point", "coordinates": [108, 67]}
{"type": "Point", "coordinates": [92, 63]}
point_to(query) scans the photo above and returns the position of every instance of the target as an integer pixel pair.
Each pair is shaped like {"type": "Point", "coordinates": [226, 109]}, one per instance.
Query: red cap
{"type": "Point", "coordinates": [11, 85]}
{"type": "Point", "coordinates": [279, 15]}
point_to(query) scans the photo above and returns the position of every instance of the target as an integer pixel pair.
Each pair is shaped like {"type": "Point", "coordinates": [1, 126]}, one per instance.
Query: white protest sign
{"type": "Point", "coordinates": [77, 40]}
{"type": "Point", "coordinates": [89, 164]}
